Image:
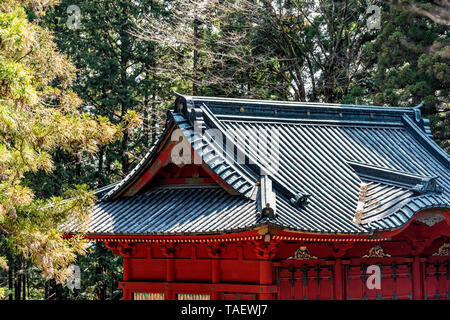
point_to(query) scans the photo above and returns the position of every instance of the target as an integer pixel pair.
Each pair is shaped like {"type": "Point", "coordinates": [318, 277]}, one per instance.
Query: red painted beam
{"type": "Point", "coordinates": [197, 287]}
{"type": "Point", "coordinates": [241, 236]}
{"type": "Point", "coordinates": [284, 235]}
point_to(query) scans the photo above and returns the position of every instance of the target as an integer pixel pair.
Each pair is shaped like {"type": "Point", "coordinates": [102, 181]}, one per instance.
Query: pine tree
{"type": "Point", "coordinates": [407, 65]}
{"type": "Point", "coordinates": [114, 79]}
{"type": "Point", "coordinates": [38, 115]}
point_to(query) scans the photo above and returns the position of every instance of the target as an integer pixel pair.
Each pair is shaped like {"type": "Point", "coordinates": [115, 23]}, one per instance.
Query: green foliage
{"type": "Point", "coordinates": [408, 64]}
{"type": "Point", "coordinates": [440, 123]}
{"type": "Point", "coordinates": [38, 115]}
{"type": "Point", "coordinates": [114, 82]}
{"type": "Point", "coordinates": [101, 271]}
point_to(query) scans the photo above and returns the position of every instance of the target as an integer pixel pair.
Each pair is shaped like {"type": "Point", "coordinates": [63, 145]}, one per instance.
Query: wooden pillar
{"type": "Point", "coordinates": [127, 294]}
{"type": "Point", "coordinates": [126, 251]}
{"type": "Point", "coordinates": [417, 279]}
{"type": "Point", "coordinates": [338, 275]}
{"type": "Point", "coordinates": [127, 274]}
{"type": "Point", "coordinates": [170, 270]}
{"type": "Point", "coordinates": [214, 251]}
{"type": "Point", "coordinates": [169, 250]}
{"type": "Point", "coordinates": [169, 294]}
{"type": "Point", "coordinates": [215, 295]}
{"type": "Point", "coordinates": [215, 270]}
{"type": "Point", "coordinates": [266, 250]}
{"type": "Point", "coordinates": [265, 277]}
{"type": "Point", "coordinates": [215, 277]}
{"type": "Point", "coordinates": [170, 277]}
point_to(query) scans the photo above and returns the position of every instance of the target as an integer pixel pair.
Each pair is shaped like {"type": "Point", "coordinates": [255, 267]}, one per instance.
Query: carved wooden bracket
{"type": "Point", "coordinates": [419, 245]}
{"type": "Point", "coordinates": [126, 250]}
{"type": "Point", "coordinates": [215, 249]}
{"type": "Point", "coordinates": [112, 246]}
{"type": "Point", "coordinates": [169, 249]}
{"type": "Point", "coordinates": [266, 250]}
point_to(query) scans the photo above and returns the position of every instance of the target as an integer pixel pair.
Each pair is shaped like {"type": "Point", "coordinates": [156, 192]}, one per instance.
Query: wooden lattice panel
{"type": "Point", "coordinates": [189, 296]}
{"type": "Point", "coordinates": [148, 296]}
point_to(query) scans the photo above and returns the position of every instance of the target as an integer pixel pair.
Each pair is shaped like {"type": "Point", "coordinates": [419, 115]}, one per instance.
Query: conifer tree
{"type": "Point", "coordinates": [39, 114]}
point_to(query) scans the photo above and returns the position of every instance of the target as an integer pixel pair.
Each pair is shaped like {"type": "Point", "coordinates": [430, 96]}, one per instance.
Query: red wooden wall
{"type": "Point", "coordinates": [299, 279]}
{"type": "Point", "coordinates": [247, 270]}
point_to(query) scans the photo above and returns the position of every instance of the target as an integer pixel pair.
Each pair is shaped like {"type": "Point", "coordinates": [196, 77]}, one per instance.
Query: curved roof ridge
{"type": "Point", "coordinates": [408, 208]}
{"type": "Point", "coordinates": [314, 112]}
{"type": "Point", "coordinates": [291, 103]}
{"type": "Point", "coordinates": [427, 142]}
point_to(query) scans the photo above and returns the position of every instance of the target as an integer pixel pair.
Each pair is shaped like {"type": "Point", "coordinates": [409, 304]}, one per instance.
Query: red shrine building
{"type": "Point", "coordinates": [250, 200]}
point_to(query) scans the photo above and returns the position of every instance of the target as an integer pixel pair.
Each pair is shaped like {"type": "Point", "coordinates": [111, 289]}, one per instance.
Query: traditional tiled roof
{"type": "Point", "coordinates": [197, 209]}
{"type": "Point", "coordinates": [362, 169]}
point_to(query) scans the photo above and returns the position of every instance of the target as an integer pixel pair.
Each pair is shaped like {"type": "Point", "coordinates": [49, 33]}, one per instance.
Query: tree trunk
{"type": "Point", "coordinates": [17, 287]}
{"type": "Point", "coordinates": [194, 84]}
{"type": "Point", "coordinates": [101, 154]}
{"type": "Point", "coordinates": [11, 277]}
{"type": "Point", "coordinates": [28, 287]}
{"type": "Point", "coordinates": [125, 158]}
{"type": "Point", "coordinates": [153, 119]}
{"type": "Point", "coordinates": [145, 122]}
{"type": "Point", "coordinates": [24, 286]}
{"type": "Point", "coordinates": [125, 98]}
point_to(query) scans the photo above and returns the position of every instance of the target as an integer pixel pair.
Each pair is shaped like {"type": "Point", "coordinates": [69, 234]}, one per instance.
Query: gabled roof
{"type": "Point", "coordinates": [362, 169]}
